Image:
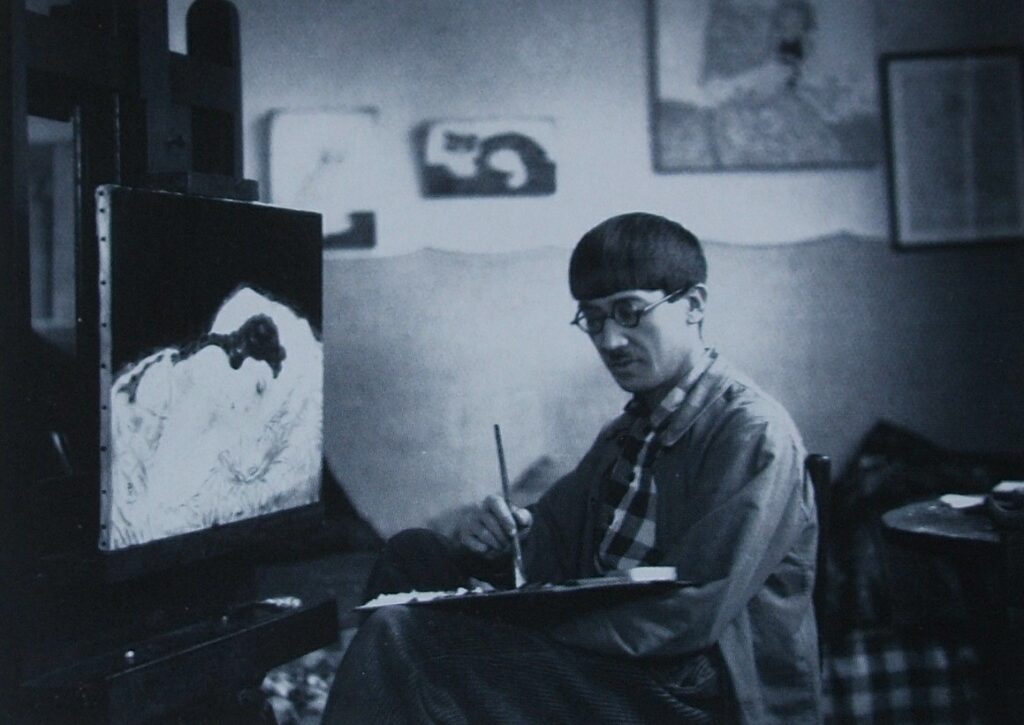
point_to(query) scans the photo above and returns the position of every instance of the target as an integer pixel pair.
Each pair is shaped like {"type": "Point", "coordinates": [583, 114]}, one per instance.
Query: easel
{"type": "Point", "coordinates": [146, 118]}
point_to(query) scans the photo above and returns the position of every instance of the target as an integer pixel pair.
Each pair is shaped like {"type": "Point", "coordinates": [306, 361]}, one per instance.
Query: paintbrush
{"type": "Point", "coordinates": [517, 562]}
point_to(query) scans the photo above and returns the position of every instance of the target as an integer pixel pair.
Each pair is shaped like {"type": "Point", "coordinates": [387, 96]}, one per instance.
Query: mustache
{"type": "Point", "coordinates": [619, 357]}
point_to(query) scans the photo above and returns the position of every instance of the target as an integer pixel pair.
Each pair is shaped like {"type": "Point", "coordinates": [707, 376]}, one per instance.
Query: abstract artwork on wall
{"type": "Point", "coordinates": [764, 84]}
{"type": "Point", "coordinates": [328, 161]}
{"type": "Point", "coordinates": [956, 146]}
{"type": "Point", "coordinates": [487, 157]}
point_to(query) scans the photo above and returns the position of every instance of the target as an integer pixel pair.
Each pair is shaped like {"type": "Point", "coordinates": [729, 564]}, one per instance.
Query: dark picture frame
{"type": "Point", "coordinates": [954, 130]}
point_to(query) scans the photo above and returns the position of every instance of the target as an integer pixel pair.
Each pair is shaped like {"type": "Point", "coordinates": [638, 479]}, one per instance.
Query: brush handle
{"type": "Point", "coordinates": [519, 571]}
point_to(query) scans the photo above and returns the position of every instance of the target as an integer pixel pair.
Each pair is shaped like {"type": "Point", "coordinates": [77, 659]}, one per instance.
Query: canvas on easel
{"type": "Point", "coordinates": [211, 364]}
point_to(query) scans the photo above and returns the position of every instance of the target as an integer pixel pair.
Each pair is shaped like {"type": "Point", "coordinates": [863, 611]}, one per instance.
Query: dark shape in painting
{"type": "Point", "coordinates": [257, 339]}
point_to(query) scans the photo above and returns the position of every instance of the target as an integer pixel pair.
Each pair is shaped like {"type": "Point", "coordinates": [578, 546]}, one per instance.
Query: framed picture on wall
{"type": "Point", "coordinates": [955, 135]}
{"type": "Point", "coordinates": [328, 160]}
{"type": "Point", "coordinates": [487, 157]}
{"type": "Point", "coordinates": [767, 85]}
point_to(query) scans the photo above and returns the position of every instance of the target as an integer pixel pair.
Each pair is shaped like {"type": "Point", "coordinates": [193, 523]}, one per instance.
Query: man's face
{"type": "Point", "coordinates": [656, 353]}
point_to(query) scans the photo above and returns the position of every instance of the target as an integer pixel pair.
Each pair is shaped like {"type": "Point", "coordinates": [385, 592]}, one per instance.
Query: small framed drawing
{"type": "Point", "coordinates": [487, 157]}
{"type": "Point", "coordinates": [955, 135]}
{"type": "Point", "coordinates": [328, 161]}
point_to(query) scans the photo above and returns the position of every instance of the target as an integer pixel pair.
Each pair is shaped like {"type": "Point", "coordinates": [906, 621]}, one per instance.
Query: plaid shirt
{"type": "Point", "coordinates": [632, 494]}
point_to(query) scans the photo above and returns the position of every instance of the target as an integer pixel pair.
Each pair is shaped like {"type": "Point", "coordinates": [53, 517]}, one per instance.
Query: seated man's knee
{"type": "Point", "coordinates": [417, 548]}
{"type": "Point", "coordinates": [415, 540]}
{"type": "Point", "coordinates": [388, 623]}
{"type": "Point", "coordinates": [416, 559]}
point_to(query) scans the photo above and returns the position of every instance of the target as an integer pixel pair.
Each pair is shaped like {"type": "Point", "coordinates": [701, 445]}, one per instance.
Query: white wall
{"type": "Point", "coordinates": [582, 62]}
{"type": "Point", "coordinates": [843, 331]}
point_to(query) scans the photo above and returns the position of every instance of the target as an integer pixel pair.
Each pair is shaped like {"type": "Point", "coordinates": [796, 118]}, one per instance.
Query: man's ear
{"type": "Point", "coordinates": [696, 299]}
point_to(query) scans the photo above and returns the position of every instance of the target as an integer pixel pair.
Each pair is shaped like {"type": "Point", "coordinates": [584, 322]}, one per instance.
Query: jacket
{"type": "Point", "coordinates": [736, 517]}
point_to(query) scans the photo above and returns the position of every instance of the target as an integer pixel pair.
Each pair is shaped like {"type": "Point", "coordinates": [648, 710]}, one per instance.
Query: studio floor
{"type": "Point", "coordinates": [297, 691]}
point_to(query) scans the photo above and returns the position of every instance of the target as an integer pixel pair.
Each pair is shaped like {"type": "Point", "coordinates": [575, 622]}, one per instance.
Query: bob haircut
{"type": "Point", "coordinates": [636, 251]}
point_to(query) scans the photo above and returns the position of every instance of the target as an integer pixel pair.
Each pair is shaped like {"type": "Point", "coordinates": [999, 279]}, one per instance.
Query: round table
{"type": "Point", "coordinates": [931, 524]}
{"type": "Point", "coordinates": [968, 539]}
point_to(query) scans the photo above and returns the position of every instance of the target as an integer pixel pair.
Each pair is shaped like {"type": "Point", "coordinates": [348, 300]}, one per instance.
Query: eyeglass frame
{"type": "Point", "coordinates": [671, 297]}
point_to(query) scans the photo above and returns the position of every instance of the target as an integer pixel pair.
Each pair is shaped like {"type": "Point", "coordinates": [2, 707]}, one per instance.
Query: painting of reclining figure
{"type": "Point", "coordinates": [214, 399]}
{"type": "Point", "coordinates": [224, 431]}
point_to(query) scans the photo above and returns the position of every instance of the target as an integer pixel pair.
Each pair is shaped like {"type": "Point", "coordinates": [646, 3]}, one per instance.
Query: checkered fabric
{"type": "Point", "coordinates": [884, 676]}
{"type": "Point", "coordinates": [631, 500]}
{"type": "Point", "coordinates": [632, 495]}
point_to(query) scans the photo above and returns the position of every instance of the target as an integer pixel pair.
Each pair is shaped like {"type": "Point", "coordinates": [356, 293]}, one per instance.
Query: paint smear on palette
{"type": "Point", "coordinates": [224, 429]}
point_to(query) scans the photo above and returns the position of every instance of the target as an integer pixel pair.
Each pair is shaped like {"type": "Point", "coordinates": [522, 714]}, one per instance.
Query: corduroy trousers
{"type": "Point", "coordinates": [410, 664]}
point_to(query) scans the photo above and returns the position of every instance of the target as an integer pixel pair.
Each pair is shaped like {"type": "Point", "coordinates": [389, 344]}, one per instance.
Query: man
{"type": "Point", "coordinates": [702, 472]}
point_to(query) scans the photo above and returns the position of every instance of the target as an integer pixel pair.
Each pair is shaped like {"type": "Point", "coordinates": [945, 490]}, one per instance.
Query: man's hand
{"type": "Point", "coordinates": [488, 527]}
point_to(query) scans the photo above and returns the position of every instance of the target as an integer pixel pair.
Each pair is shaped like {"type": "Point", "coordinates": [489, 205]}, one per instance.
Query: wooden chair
{"type": "Point", "coordinates": [819, 469]}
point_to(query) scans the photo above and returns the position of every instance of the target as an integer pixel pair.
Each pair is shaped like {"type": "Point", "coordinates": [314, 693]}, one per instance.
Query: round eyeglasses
{"type": "Point", "coordinates": [624, 312]}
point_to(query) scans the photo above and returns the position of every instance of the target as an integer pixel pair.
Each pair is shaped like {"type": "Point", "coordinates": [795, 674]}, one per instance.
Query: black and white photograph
{"type": "Point", "coordinates": [511, 361]}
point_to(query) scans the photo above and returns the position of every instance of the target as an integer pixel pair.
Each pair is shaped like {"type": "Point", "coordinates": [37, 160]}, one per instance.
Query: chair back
{"type": "Point", "coordinates": [819, 469]}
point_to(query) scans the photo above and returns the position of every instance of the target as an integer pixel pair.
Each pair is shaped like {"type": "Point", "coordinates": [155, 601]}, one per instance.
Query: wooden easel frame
{"type": "Point", "coordinates": [149, 118]}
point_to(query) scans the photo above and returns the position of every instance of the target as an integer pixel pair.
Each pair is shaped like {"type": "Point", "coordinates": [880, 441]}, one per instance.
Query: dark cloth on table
{"type": "Point", "coordinates": [457, 667]}
{"type": "Point", "coordinates": [895, 466]}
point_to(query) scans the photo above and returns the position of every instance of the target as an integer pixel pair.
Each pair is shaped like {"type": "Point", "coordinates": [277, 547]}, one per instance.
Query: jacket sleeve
{"type": "Point", "coordinates": [757, 513]}
{"type": "Point", "coordinates": [551, 547]}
